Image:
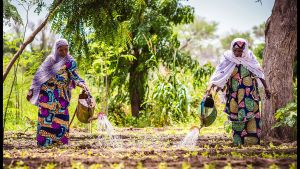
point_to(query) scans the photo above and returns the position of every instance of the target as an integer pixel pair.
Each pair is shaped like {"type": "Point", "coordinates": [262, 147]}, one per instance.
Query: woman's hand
{"type": "Point", "coordinates": [268, 93]}
{"type": "Point", "coordinates": [218, 89]}
{"type": "Point", "coordinates": [207, 93]}
{"type": "Point", "coordinates": [209, 89]}
{"type": "Point", "coordinates": [80, 84]}
{"type": "Point", "coordinates": [83, 86]}
{"type": "Point", "coordinates": [29, 95]}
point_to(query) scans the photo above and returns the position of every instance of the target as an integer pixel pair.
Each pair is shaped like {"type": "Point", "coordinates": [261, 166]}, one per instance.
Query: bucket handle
{"type": "Point", "coordinates": [89, 101]}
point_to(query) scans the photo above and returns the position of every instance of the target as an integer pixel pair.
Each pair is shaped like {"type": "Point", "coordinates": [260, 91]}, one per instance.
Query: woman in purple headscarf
{"type": "Point", "coordinates": [51, 92]}
{"type": "Point", "coordinates": [239, 75]}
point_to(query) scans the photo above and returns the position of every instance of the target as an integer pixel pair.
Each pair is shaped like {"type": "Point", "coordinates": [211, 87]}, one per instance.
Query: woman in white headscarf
{"type": "Point", "coordinates": [239, 75]}
{"type": "Point", "coordinates": [51, 92]}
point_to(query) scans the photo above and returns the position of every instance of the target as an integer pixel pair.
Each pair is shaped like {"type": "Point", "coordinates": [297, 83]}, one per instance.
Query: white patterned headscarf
{"type": "Point", "coordinates": [228, 63]}
{"type": "Point", "coordinates": [51, 65]}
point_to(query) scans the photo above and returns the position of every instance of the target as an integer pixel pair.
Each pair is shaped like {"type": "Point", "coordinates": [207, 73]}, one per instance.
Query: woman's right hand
{"type": "Point", "coordinates": [209, 90]}
{"type": "Point", "coordinates": [207, 93]}
{"type": "Point", "coordinates": [29, 95]}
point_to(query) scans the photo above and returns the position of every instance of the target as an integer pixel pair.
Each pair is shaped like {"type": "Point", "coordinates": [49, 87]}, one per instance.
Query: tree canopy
{"type": "Point", "coordinates": [141, 29]}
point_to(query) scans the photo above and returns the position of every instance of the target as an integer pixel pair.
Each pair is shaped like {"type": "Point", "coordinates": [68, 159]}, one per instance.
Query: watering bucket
{"type": "Point", "coordinates": [85, 107]}
{"type": "Point", "coordinates": [208, 111]}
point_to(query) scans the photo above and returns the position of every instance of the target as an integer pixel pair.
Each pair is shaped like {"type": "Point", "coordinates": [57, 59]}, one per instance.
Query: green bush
{"type": "Point", "coordinates": [287, 115]}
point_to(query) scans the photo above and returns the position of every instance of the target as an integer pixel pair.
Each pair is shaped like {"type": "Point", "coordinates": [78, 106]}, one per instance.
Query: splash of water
{"type": "Point", "coordinates": [191, 138]}
{"type": "Point", "coordinates": [104, 125]}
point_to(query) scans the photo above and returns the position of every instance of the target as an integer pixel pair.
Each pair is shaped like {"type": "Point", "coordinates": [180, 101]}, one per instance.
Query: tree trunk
{"type": "Point", "coordinates": [134, 94]}
{"type": "Point", "coordinates": [137, 81]}
{"type": "Point", "coordinates": [279, 56]}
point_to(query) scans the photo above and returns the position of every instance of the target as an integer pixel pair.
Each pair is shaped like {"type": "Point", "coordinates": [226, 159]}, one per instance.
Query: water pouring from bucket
{"type": "Point", "coordinates": [104, 124]}
{"type": "Point", "coordinates": [191, 138]}
{"type": "Point", "coordinates": [207, 114]}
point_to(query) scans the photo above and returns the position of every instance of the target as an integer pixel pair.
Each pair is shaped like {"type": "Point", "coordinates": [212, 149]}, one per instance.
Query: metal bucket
{"type": "Point", "coordinates": [85, 107]}
{"type": "Point", "coordinates": [208, 112]}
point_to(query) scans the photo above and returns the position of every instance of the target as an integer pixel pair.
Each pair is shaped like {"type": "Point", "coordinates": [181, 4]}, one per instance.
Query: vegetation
{"type": "Point", "coordinates": [287, 115]}
{"type": "Point", "coordinates": [145, 52]}
{"type": "Point", "coordinates": [139, 46]}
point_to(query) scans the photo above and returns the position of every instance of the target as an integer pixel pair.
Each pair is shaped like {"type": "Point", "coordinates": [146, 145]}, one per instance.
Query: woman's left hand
{"type": "Point", "coordinates": [268, 93]}
{"type": "Point", "coordinates": [84, 87]}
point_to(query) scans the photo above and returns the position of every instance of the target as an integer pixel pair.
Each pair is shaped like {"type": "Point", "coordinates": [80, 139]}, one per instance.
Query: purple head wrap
{"type": "Point", "coordinates": [51, 65]}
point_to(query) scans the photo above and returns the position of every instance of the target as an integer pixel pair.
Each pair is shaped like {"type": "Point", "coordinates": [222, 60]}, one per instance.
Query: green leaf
{"type": "Point", "coordinates": [129, 57]}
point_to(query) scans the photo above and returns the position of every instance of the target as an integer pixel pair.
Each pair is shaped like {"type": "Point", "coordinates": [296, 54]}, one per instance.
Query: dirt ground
{"type": "Point", "coordinates": [144, 148]}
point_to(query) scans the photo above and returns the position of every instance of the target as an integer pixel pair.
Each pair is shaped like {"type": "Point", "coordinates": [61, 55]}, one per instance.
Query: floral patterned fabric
{"type": "Point", "coordinates": [54, 98]}
{"type": "Point", "coordinates": [242, 106]}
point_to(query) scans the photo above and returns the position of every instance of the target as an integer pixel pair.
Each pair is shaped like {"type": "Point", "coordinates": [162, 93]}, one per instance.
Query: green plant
{"type": "Point", "coordinates": [292, 166]}
{"type": "Point", "coordinates": [210, 166]}
{"type": "Point", "coordinates": [287, 115]}
{"type": "Point", "coordinates": [140, 165]}
{"type": "Point", "coordinates": [117, 166]}
{"type": "Point", "coordinates": [162, 165]}
{"type": "Point", "coordinates": [228, 126]}
{"type": "Point", "coordinates": [202, 74]}
{"type": "Point", "coordinates": [186, 165]}
{"type": "Point", "coordinates": [95, 166]}
{"type": "Point", "coordinates": [236, 155]}
{"type": "Point", "coordinates": [273, 166]}
{"type": "Point", "coordinates": [77, 165]}
{"type": "Point", "coordinates": [50, 166]}
{"type": "Point", "coordinates": [228, 166]}
{"type": "Point", "coordinates": [168, 103]}
{"type": "Point", "coordinates": [258, 52]}
{"type": "Point", "coordinates": [21, 164]}
{"type": "Point", "coordinates": [249, 166]}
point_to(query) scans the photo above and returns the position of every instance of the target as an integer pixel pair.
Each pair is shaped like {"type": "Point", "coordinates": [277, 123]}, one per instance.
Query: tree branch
{"type": "Point", "coordinates": [186, 43]}
{"type": "Point", "coordinates": [28, 41]}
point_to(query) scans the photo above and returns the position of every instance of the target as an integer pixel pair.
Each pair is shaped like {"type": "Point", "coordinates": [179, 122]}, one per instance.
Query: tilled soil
{"type": "Point", "coordinates": [144, 148]}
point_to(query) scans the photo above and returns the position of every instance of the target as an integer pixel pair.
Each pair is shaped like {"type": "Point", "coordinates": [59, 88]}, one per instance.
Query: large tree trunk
{"type": "Point", "coordinates": [135, 98]}
{"type": "Point", "coordinates": [137, 80]}
{"type": "Point", "coordinates": [279, 56]}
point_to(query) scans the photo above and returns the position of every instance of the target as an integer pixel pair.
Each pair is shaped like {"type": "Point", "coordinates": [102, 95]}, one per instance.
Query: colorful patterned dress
{"type": "Point", "coordinates": [54, 99]}
{"type": "Point", "coordinates": [242, 106]}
